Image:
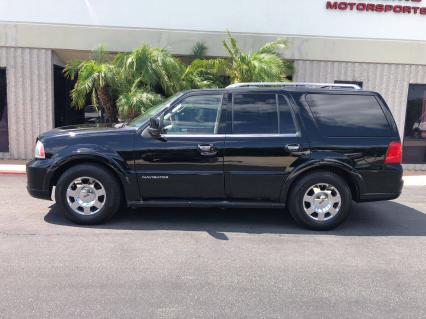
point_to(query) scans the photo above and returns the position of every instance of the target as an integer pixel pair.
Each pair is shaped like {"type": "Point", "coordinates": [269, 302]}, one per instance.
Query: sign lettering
{"type": "Point", "coordinates": [412, 7]}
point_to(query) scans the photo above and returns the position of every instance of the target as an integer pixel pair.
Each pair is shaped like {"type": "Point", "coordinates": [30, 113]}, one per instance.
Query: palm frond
{"type": "Point", "coordinates": [100, 55]}
{"type": "Point", "coordinates": [231, 45]}
{"type": "Point", "coordinates": [274, 47]}
{"type": "Point", "coordinates": [72, 68]}
{"type": "Point", "coordinates": [131, 104]}
{"type": "Point", "coordinates": [199, 50]}
{"type": "Point", "coordinates": [205, 73]}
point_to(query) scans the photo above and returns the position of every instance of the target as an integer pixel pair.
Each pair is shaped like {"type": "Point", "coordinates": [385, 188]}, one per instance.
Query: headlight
{"type": "Point", "coordinates": [39, 150]}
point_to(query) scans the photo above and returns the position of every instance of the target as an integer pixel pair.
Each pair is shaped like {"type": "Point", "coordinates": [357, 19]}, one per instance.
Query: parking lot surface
{"type": "Point", "coordinates": [211, 263]}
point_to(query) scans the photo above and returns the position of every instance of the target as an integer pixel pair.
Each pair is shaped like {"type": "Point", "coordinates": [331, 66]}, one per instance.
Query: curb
{"type": "Point", "coordinates": [12, 169]}
{"type": "Point", "coordinates": [12, 173]}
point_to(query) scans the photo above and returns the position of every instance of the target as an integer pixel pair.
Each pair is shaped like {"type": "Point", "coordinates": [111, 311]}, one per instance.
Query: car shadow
{"type": "Point", "coordinates": [366, 219]}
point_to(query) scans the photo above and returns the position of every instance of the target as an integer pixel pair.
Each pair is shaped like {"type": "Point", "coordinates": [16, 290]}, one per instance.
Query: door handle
{"type": "Point", "coordinates": [207, 149]}
{"type": "Point", "coordinates": [294, 147]}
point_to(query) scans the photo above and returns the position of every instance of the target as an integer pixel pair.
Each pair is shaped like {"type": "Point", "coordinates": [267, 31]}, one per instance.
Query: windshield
{"type": "Point", "coordinates": [141, 119]}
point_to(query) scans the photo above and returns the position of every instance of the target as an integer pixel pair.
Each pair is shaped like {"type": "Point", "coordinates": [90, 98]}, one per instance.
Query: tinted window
{"type": "Point", "coordinates": [255, 114]}
{"type": "Point", "coordinates": [194, 115]}
{"type": "Point", "coordinates": [345, 115]}
{"type": "Point", "coordinates": [286, 118]}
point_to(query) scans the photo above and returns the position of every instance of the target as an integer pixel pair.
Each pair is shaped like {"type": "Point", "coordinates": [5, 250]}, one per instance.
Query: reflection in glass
{"type": "Point", "coordinates": [194, 115]}
{"type": "Point", "coordinates": [415, 125]}
{"type": "Point", "coordinates": [349, 115]}
{"type": "Point", "coordinates": [255, 114]}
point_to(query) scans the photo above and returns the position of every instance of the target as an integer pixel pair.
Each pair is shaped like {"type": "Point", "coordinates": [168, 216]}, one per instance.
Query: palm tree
{"type": "Point", "coordinates": [263, 65]}
{"type": "Point", "coordinates": [146, 76]}
{"type": "Point", "coordinates": [199, 50]}
{"type": "Point", "coordinates": [153, 69]}
{"type": "Point", "coordinates": [95, 79]}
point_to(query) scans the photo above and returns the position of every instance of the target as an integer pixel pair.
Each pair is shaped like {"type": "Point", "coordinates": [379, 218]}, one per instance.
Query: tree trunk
{"type": "Point", "coordinates": [107, 104]}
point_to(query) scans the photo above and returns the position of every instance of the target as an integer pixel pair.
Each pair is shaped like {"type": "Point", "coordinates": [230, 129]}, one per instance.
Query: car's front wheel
{"type": "Point", "coordinates": [321, 200]}
{"type": "Point", "coordinates": [88, 194]}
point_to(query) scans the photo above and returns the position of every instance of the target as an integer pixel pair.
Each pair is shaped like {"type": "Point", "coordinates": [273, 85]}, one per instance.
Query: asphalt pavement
{"type": "Point", "coordinates": [211, 263]}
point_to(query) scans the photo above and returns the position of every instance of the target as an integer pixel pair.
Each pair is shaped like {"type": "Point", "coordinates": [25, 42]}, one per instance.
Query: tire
{"type": "Point", "coordinates": [88, 194]}
{"type": "Point", "coordinates": [323, 189]}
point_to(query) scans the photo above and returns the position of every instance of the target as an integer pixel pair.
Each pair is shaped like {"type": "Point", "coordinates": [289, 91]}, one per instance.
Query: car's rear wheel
{"type": "Point", "coordinates": [320, 201]}
{"type": "Point", "coordinates": [88, 194]}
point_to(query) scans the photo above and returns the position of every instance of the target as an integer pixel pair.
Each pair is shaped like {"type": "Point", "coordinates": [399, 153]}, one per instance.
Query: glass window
{"type": "Point", "coordinates": [255, 114]}
{"type": "Point", "coordinates": [286, 123]}
{"type": "Point", "coordinates": [415, 125]}
{"type": "Point", "coordinates": [144, 117]}
{"type": "Point", "coordinates": [194, 115]}
{"type": "Point", "coordinates": [346, 115]}
{"type": "Point", "coordinates": [4, 133]}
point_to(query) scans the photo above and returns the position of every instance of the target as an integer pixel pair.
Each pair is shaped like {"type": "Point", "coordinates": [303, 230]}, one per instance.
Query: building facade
{"type": "Point", "coordinates": [378, 44]}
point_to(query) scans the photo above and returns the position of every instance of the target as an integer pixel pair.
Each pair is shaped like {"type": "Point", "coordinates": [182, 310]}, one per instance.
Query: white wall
{"type": "Point", "coordinates": [289, 17]}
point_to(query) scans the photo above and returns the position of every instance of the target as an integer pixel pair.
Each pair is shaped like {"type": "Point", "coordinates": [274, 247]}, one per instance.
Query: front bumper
{"type": "Point", "coordinates": [37, 178]}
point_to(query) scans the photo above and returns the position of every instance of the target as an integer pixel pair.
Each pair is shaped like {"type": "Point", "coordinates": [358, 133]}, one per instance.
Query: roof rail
{"type": "Point", "coordinates": [294, 84]}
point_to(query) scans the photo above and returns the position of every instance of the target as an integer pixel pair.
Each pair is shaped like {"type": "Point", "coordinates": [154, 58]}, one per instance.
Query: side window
{"type": "Point", "coordinates": [286, 116]}
{"type": "Point", "coordinates": [194, 115]}
{"type": "Point", "coordinates": [254, 114]}
{"type": "Point", "coordinates": [349, 115]}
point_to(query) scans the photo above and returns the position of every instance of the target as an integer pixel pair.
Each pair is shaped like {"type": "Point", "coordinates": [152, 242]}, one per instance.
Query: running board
{"type": "Point", "coordinates": [205, 203]}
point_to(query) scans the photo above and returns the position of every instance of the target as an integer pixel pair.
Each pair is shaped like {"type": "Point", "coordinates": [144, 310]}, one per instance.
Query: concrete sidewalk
{"type": "Point", "coordinates": [12, 167]}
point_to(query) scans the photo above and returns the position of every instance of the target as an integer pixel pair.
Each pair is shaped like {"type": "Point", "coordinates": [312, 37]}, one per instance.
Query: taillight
{"type": "Point", "coordinates": [394, 153]}
{"type": "Point", "coordinates": [39, 150]}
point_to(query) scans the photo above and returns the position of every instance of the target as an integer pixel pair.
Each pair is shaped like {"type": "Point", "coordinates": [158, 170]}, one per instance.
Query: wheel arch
{"type": "Point", "coordinates": [353, 179]}
{"type": "Point", "coordinates": [98, 160]}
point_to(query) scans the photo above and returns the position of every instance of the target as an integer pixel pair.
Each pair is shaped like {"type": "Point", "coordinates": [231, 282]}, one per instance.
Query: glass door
{"type": "Point", "coordinates": [415, 125]}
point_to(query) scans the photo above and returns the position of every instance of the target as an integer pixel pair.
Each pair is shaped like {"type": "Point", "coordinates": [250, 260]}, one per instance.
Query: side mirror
{"type": "Point", "coordinates": [155, 127]}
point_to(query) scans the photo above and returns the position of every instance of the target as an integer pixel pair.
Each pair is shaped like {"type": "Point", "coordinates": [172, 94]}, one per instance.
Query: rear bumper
{"type": "Point", "coordinates": [37, 193]}
{"type": "Point", "coordinates": [378, 197]}
{"type": "Point", "coordinates": [384, 184]}
{"type": "Point", "coordinates": [37, 184]}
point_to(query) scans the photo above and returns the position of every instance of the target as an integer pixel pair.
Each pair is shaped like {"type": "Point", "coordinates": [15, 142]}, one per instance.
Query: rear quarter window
{"type": "Point", "coordinates": [346, 115]}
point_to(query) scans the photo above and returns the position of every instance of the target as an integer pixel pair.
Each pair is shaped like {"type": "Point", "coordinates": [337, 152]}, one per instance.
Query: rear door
{"type": "Point", "coordinates": [263, 142]}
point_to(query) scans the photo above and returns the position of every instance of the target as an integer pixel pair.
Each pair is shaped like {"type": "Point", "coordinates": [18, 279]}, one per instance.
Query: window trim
{"type": "Point", "coordinates": [292, 112]}
{"type": "Point", "coordinates": [297, 134]}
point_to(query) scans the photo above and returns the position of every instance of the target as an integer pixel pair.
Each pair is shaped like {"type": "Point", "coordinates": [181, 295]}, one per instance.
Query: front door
{"type": "Point", "coordinates": [187, 161]}
{"type": "Point", "coordinates": [263, 143]}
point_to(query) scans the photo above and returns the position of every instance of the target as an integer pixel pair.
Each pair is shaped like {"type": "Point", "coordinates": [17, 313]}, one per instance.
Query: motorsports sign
{"type": "Point", "coordinates": [412, 7]}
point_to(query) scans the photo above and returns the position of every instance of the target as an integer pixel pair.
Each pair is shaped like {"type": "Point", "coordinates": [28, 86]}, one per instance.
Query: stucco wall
{"type": "Point", "coordinates": [390, 80]}
{"type": "Point", "coordinates": [29, 97]}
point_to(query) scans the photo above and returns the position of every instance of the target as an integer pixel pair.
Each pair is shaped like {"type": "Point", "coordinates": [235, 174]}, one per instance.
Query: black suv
{"type": "Point", "coordinates": [312, 148]}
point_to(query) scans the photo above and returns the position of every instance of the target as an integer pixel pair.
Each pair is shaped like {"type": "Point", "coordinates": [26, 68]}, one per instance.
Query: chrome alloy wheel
{"type": "Point", "coordinates": [86, 195]}
{"type": "Point", "coordinates": [322, 202]}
